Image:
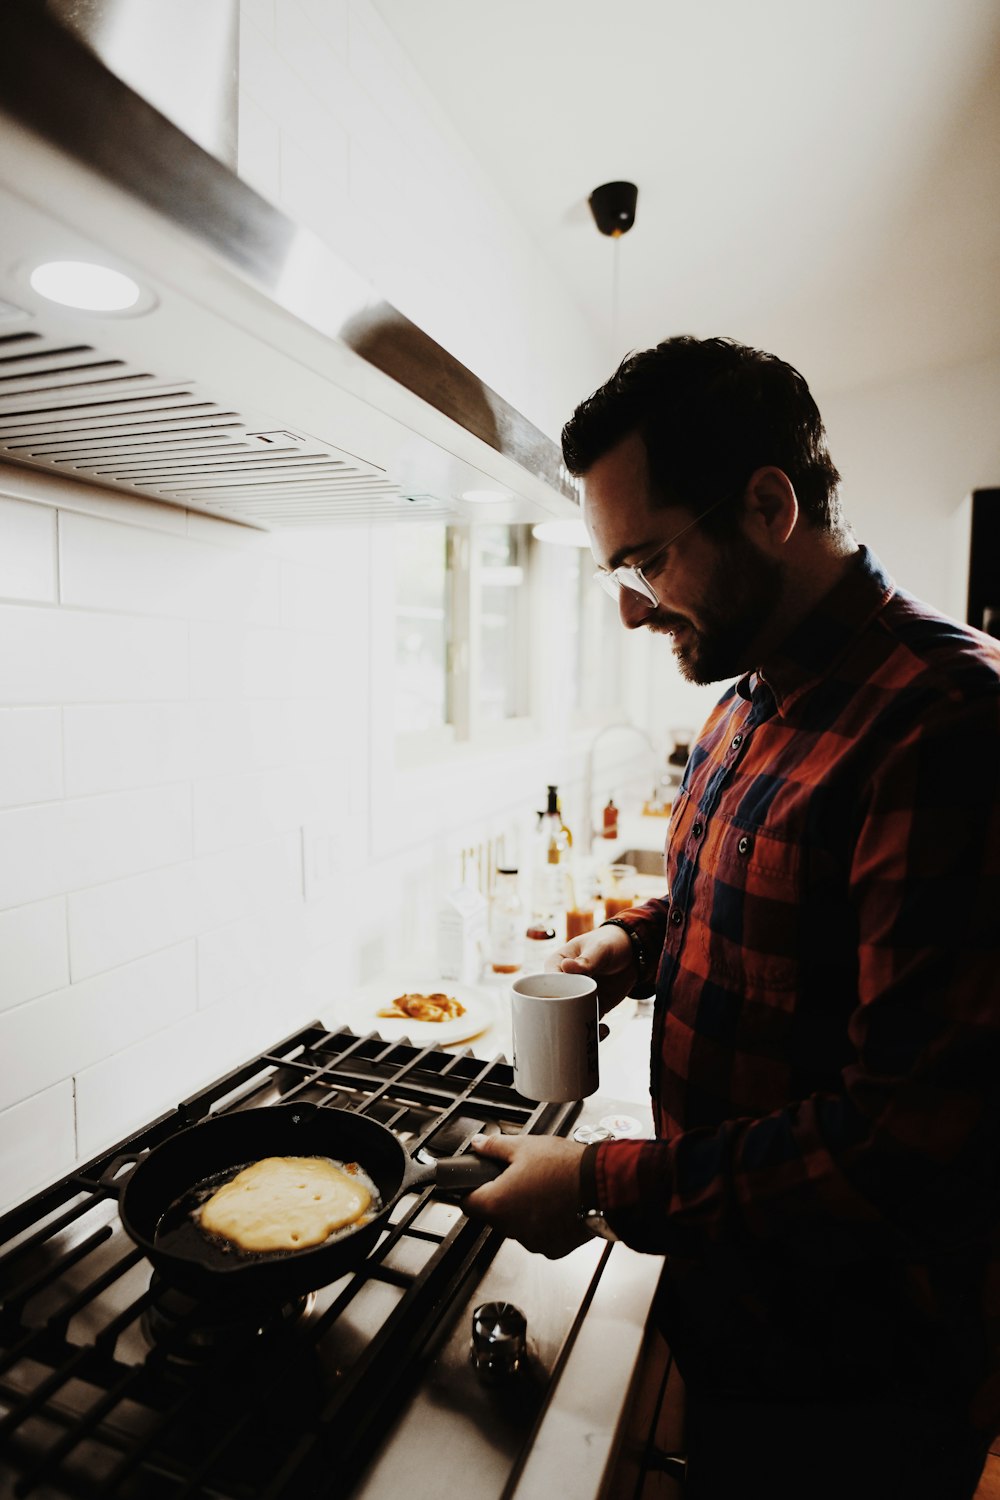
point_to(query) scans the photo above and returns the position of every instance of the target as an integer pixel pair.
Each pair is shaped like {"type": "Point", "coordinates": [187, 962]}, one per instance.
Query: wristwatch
{"type": "Point", "coordinates": [635, 942]}
{"type": "Point", "coordinates": [595, 1223]}
{"type": "Point", "coordinates": [591, 1216]}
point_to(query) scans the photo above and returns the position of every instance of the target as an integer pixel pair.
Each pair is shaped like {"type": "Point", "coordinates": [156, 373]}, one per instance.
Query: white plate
{"type": "Point", "coordinates": [478, 1016]}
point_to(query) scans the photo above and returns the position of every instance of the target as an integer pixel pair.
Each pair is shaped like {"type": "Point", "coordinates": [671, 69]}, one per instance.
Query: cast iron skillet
{"type": "Point", "coordinates": [190, 1260]}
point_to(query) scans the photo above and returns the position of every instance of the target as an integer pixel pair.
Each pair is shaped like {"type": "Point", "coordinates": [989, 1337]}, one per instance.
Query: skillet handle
{"type": "Point", "coordinates": [114, 1177]}
{"type": "Point", "coordinates": [462, 1173]}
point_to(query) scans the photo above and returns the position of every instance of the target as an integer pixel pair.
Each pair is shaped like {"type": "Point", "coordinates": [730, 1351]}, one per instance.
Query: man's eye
{"type": "Point", "coordinates": [652, 567]}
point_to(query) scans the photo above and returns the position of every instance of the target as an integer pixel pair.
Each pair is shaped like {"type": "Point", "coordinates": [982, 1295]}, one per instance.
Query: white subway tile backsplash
{"type": "Point", "coordinates": [243, 808]}
{"type": "Point", "coordinates": [377, 183]}
{"type": "Point", "coordinates": [239, 882]}
{"type": "Point", "coordinates": [27, 551]}
{"type": "Point", "coordinates": [305, 116]}
{"type": "Point", "coordinates": [260, 150]}
{"type": "Point", "coordinates": [119, 922]}
{"type": "Point", "coordinates": [34, 951]}
{"type": "Point", "coordinates": [109, 566]}
{"type": "Point", "coordinates": [122, 833]}
{"type": "Point", "coordinates": [48, 1040]}
{"type": "Point", "coordinates": [293, 733]}
{"type": "Point", "coordinates": [329, 17]}
{"type": "Point", "coordinates": [259, 13]}
{"type": "Point", "coordinates": [314, 186]}
{"type": "Point", "coordinates": [30, 756]}
{"type": "Point", "coordinates": [219, 660]}
{"type": "Point", "coordinates": [153, 1075]}
{"type": "Point", "coordinates": [310, 596]}
{"type": "Point", "coordinates": [37, 1143]}
{"type": "Point", "coordinates": [75, 656]}
{"type": "Point", "coordinates": [233, 957]}
{"type": "Point", "coordinates": [290, 664]}
{"type": "Point", "coordinates": [114, 746]}
{"type": "Point", "coordinates": [221, 730]}
{"type": "Point", "coordinates": [342, 91]}
{"type": "Point", "coordinates": [33, 861]}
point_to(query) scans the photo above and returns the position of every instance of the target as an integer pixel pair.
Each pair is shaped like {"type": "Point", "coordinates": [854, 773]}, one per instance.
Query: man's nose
{"type": "Point", "coordinates": [633, 609]}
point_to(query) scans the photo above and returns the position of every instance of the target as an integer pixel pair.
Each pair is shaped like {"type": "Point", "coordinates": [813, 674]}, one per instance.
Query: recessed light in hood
{"type": "Point", "coordinates": [84, 285]}
{"type": "Point", "coordinates": [254, 323]}
{"type": "Point", "coordinates": [485, 497]}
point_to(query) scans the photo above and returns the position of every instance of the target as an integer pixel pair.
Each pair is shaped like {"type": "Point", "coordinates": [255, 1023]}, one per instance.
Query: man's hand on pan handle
{"type": "Point", "coordinates": [536, 1200]}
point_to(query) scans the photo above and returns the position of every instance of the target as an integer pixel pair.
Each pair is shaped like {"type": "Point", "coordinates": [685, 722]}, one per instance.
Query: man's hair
{"type": "Point", "coordinates": [710, 412]}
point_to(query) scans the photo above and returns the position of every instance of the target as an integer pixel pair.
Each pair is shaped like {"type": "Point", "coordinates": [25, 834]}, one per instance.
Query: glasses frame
{"type": "Point", "coordinates": [613, 580]}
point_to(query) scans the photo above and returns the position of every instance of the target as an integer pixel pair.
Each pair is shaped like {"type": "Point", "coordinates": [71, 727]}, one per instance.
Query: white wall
{"type": "Point", "coordinates": [909, 453]}
{"type": "Point", "coordinates": [337, 129]}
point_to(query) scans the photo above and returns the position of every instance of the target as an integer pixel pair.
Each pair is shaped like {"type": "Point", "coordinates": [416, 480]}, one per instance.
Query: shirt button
{"type": "Point", "coordinates": [737, 741]}
{"type": "Point", "coordinates": [676, 916]}
{"type": "Point", "coordinates": [745, 845]}
{"type": "Point", "coordinates": [697, 830]}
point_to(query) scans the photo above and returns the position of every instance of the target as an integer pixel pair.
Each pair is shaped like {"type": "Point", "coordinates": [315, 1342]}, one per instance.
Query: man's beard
{"type": "Point", "coordinates": [741, 595]}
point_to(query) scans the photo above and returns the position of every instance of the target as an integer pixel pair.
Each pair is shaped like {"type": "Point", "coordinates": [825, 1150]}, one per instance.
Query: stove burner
{"type": "Point", "coordinates": [114, 1381]}
{"type": "Point", "coordinates": [190, 1332]}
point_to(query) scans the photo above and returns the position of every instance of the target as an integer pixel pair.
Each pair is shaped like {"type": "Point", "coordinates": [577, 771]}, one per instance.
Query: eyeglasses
{"type": "Point", "coordinates": [613, 580]}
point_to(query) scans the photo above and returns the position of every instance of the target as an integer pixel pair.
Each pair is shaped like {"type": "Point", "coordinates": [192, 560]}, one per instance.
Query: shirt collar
{"type": "Point", "coordinates": [819, 640]}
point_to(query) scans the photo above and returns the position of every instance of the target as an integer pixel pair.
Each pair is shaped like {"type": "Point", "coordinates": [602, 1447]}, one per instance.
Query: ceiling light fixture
{"type": "Point", "coordinates": [613, 207]}
{"type": "Point", "coordinates": [84, 285]}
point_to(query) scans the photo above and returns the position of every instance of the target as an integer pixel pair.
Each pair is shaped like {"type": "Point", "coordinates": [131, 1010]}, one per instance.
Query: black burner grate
{"type": "Point", "coordinates": [110, 1387]}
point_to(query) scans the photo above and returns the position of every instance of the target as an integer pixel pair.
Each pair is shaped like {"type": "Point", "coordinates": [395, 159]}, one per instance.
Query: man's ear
{"type": "Point", "coordinates": [771, 507]}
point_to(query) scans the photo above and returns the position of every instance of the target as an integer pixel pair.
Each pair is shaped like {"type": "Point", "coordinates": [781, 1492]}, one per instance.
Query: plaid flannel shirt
{"type": "Point", "coordinates": [826, 1040]}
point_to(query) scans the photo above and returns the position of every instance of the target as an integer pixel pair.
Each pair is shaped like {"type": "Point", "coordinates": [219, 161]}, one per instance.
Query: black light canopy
{"type": "Point", "coordinates": [613, 207]}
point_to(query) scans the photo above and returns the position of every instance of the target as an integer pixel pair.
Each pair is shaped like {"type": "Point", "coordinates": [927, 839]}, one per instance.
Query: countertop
{"type": "Point", "coordinates": [575, 1449]}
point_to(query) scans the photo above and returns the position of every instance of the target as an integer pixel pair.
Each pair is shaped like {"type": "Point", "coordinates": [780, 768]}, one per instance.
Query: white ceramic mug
{"type": "Point", "coordinates": [554, 1025]}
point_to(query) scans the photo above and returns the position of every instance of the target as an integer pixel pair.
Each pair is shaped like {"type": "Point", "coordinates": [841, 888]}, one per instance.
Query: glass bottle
{"type": "Point", "coordinates": [618, 888]}
{"type": "Point", "coordinates": [506, 922]}
{"type": "Point", "coordinates": [551, 861]}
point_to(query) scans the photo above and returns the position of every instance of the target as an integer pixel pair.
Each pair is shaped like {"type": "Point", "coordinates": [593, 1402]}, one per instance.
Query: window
{"type": "Point", "coordinates": [462, 623]}
{"type": "Point", "coordinates": [499, 685]}
{"type": "Point", "coordinates": [472, 607]}
{"type": "Point", "coordinates": [423, 629]}
{"type": "Point", "coordinates": [596, 648]}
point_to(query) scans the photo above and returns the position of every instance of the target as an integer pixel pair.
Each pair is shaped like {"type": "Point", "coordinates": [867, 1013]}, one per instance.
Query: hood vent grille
{"type": "Point", "coordinates": [74, 411]}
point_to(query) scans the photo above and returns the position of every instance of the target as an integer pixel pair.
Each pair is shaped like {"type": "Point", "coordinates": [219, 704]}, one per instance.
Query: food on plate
{"type": "Point", "coordinates": [288, 1203]}
{"type": "Point", "coordinates": [414, 1007]}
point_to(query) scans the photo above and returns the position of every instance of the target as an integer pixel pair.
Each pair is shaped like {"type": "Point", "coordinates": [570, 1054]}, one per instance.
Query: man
{"type": "Point", "coordinates": [826, 1039]}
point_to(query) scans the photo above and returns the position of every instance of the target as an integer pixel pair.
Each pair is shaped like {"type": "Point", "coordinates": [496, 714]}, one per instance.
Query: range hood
{"type": "Point", "coordinates": [258, 378]}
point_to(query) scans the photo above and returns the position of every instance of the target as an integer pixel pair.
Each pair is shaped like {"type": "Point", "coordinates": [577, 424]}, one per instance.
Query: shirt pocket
{"type": "Point", "coordinates": [750, 897]}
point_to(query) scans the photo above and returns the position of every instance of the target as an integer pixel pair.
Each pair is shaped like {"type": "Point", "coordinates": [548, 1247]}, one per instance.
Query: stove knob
{"type": "Point", "coordinates": [499, 1340]}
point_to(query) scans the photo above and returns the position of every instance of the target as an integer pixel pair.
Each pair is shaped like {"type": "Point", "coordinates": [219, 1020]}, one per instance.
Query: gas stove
{"type": "Point", "coordinates": [113, 1384]}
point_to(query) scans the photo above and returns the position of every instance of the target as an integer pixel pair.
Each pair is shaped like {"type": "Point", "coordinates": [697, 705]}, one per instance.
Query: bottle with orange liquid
{"type": "Point", "coordinates": [618, 889]}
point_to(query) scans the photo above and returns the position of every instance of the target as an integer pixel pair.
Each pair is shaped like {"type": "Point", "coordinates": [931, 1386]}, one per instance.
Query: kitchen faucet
{"type": "Point", "coordinates": [588, 775]}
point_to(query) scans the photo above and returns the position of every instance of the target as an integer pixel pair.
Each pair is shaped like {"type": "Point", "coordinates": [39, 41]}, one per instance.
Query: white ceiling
{"type": "Point", "coordinates": [820, 179]}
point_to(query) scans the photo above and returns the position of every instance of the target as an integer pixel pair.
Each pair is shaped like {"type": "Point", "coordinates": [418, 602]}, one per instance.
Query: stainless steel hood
{"type": "Point", "coordinates": [258, 378]}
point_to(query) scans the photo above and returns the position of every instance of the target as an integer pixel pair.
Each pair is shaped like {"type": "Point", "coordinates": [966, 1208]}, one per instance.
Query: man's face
{"type": "Point", "coordinates": [715, 597]}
